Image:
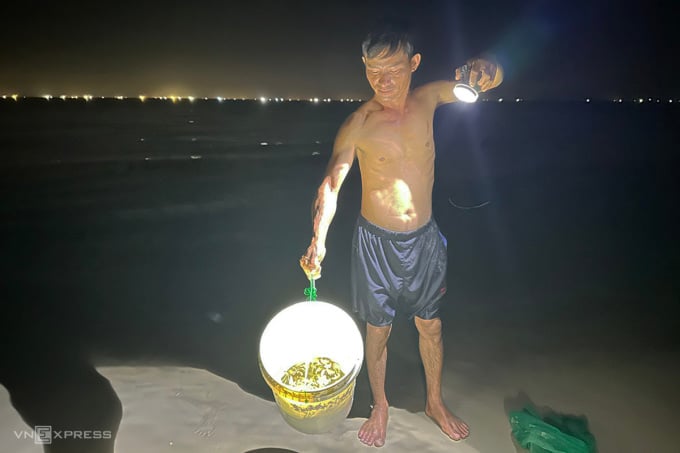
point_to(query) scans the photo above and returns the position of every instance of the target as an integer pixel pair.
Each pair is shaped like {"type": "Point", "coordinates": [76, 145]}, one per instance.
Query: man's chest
{"type": "Point", "coordinates": [393, 126]}
{"type": "Point", "coordinates": [387, 137]}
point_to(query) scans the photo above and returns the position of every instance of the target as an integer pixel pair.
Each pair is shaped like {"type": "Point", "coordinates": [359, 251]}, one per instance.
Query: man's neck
{"type": "Point", "coordinates": [397, 104]}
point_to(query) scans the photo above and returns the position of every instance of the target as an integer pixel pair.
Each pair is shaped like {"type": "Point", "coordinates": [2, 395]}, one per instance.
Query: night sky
{"type": "Point", "coordinates": [551, 49]}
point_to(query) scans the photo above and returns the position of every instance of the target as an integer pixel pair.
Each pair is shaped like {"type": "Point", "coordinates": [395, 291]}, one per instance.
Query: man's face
{"type": "Point", "coordinates": [390, 76]}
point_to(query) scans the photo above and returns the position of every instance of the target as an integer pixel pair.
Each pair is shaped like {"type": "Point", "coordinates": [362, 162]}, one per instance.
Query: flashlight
{"type": "Point", "coordinates": [463, 90]}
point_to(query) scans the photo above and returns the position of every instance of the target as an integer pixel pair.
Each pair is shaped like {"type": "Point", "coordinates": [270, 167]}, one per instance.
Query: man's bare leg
{"type": "Point", "coordinates": [373, 431]}
{"type": "Point", "coordinates": [432, 354]}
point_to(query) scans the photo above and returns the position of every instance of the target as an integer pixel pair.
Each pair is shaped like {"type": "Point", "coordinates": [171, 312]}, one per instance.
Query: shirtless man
{"type": "Point", "coordinates": [398, 253]}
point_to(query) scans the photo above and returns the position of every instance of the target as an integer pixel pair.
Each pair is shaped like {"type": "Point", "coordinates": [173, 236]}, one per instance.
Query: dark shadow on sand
{"type": "Point", "coordinates": [52, 384]}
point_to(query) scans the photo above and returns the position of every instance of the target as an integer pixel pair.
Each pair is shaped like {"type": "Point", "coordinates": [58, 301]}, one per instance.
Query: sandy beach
{"type": "Point", "coordinates": [191, 410]}
{"type": "Point", "coordinates": [184, 409]}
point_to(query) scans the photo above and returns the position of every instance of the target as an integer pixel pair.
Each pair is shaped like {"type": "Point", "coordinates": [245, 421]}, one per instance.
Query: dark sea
{"type": "Point", "coordinates": [170, 233]}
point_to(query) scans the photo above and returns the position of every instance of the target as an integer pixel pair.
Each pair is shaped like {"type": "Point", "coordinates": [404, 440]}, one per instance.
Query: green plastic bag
{"type": "Point", "coordinates": [553, 434]}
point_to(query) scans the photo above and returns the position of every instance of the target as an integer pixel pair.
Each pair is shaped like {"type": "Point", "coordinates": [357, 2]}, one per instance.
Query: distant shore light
{"type": "Point", "coordinates": [316, 100]}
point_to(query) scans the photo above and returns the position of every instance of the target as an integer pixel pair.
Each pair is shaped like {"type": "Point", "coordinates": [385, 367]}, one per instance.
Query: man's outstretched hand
{"type": "Point", "coordinates": [311, 261]}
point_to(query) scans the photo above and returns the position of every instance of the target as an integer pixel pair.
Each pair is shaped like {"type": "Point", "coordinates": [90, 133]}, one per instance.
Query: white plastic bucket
{"type": "Point", "coordinates": [300, 333]}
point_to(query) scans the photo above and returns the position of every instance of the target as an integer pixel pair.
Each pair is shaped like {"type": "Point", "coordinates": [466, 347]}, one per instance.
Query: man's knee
{"type": "Point", "coordinates": [378, 332]}
{"type": "Point", "coordinates": [430, 328]}
{"type": "Point", "coordinates": [376, 338]}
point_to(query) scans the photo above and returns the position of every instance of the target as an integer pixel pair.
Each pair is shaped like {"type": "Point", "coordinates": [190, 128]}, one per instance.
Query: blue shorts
{"type": "Point", "coordinates": [393, 270]}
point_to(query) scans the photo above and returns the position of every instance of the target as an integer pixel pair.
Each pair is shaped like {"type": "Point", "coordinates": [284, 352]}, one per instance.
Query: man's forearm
{"type": "Point", "coordinates": [324, 209]}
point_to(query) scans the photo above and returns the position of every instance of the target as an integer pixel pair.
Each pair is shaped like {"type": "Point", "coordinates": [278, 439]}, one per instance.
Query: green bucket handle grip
{"type": "Point", "coordinates": [310, 292]}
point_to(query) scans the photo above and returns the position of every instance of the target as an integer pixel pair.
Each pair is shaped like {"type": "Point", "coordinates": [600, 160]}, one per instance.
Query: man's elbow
{"type": "Point", "coordinates": [337, 176]}
{"type": "Point", "coordinates": [327, 187]}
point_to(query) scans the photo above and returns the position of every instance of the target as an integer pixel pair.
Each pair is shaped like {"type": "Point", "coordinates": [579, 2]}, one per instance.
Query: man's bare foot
{"type": "Point", "coordinates": [452, 426]}
{"type": "Point", "coordinates": [372, 432]}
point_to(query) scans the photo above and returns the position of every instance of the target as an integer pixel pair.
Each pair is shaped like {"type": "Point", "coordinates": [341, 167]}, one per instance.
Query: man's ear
{"type": "Point", "coordinates": [364, 60]}
{"type": "Point", "coordinates": [415, 62]}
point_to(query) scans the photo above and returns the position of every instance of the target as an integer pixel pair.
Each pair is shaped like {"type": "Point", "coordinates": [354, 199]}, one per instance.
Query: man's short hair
{"type": "Point", "coordinates": [387, 42]}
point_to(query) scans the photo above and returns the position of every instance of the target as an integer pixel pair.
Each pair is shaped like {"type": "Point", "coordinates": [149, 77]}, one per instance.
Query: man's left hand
{"type": "Point", "coordinates": [485, 73]}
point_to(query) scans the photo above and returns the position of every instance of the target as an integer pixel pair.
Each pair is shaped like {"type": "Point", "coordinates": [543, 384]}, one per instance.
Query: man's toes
{"type": "Point", "coordinates": [367, 438]}
{"type": "Point", "coordinates": [454, 435]}
{"type": "Point", "coordinates": [457, 431]}
{"type": "Point", "coordinates": [372, 439]}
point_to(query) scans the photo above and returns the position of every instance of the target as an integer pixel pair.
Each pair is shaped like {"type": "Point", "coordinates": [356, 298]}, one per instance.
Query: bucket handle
{"type": "Point", "coordinates": [310, 292]}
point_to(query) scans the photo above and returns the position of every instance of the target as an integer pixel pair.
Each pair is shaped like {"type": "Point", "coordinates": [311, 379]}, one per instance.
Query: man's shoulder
{"type": "Point", "coordinates": [357, 118]}
{"type": "Point", "coordinates": [368, 107]}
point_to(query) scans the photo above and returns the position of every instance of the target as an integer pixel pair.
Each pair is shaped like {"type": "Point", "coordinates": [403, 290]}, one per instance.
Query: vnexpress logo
{"type": "Point", "coordinates": [42, 435]}
{"type": "Point", "coordinates": [45, 435]}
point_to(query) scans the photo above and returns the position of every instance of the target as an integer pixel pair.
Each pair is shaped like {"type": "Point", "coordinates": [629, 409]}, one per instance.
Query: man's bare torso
{"type": "Point", "coordinates": [396, 156]}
